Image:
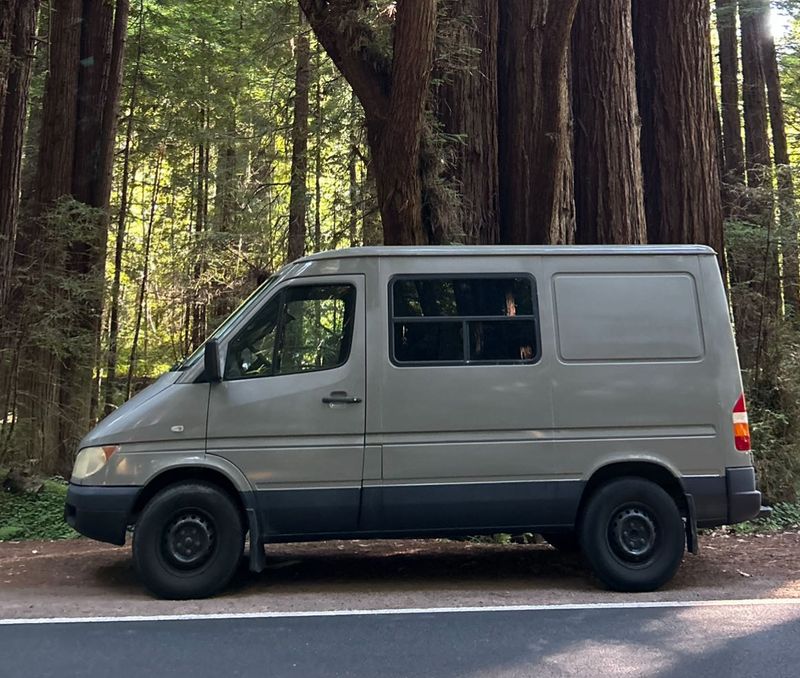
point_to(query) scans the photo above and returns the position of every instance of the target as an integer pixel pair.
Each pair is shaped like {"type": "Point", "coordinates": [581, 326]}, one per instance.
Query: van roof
{"type": "Point", "coordinates": [511, 250]}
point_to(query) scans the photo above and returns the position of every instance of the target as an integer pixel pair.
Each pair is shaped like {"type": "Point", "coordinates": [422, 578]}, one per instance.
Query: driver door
{"type": "Point", "coordinates": [290, 411]}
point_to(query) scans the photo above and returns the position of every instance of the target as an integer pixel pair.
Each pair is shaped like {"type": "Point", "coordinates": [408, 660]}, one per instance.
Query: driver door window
{"type": "Point", "coordinates": [305, 329]}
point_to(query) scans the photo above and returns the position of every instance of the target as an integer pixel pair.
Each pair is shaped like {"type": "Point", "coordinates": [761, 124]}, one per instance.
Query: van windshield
{"type": "Point", "coordinates": [221, 332]}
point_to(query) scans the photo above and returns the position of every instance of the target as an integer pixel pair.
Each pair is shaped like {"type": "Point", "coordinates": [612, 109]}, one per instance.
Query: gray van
{"type": "Point", "coordinates": [589, 394]}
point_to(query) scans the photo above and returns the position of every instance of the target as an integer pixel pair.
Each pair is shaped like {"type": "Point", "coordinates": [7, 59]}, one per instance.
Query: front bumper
{"type": "Point", "coordinates": [100, 512]}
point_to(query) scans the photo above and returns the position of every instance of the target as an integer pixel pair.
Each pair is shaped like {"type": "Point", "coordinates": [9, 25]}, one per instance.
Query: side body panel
{"type": "Point", "coordinates": [303, 457]}
{"type": "Point", "coordinates": [466, 446]}
{"type": "Point", "coordinates": [667, 401]}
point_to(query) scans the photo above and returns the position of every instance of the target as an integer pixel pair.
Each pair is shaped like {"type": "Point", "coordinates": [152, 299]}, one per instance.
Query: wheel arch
{"type": "Point", "coordinates": [213, 475]}
{"type": "Point", "coordinates": [658, 473]}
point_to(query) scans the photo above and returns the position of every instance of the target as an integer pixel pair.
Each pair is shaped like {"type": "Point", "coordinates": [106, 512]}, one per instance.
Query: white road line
{"type": "Point", "coordinates": [633, 605]}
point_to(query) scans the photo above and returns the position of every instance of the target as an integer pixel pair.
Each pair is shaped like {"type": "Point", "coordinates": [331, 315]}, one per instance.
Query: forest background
{"type": "Point", "coordinates": [160, 158]}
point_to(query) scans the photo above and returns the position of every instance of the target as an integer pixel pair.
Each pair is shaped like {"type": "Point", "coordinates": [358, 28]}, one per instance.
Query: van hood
{"type": "Point", "coordinates": [119, 419]}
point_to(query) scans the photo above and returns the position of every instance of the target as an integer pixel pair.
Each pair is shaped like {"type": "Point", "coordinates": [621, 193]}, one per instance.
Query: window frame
{"type": "Point", "coordinates": [280, 297]}
{"type": "Point", "coordinates": [464, 320]}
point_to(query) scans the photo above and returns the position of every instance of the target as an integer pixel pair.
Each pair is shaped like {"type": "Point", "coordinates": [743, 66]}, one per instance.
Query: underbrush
{"type": "Point", "coordinates": [785, 517]}
{"type": "Point", "coordinates": [35, 516]}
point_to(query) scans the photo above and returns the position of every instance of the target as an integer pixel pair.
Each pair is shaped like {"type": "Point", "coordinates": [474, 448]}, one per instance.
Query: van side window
{"type": "Point", "coordinates": [305, 329]}
{"type": "Point", "coordinates": [461, 320]}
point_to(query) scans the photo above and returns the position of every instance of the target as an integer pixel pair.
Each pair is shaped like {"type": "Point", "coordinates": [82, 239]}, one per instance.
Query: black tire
{"type": "Point", "coordinates": [633, 535]}
{"type": "Point", "coordinates": [566, 542]}
{"type": "Point", "coordinates": [188, 541]}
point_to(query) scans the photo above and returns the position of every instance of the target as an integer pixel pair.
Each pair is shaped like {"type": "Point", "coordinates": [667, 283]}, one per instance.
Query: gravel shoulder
{"type": "Point", "coordinates": [85, 578]}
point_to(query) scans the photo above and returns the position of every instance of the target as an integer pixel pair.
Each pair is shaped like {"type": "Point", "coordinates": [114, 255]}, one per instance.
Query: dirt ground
{"type": "Point", "coordinates": [84, 578]}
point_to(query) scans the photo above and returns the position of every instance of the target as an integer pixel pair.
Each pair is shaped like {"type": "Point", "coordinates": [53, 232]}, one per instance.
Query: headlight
{"type": "Point", "coordinates": [91, 459]}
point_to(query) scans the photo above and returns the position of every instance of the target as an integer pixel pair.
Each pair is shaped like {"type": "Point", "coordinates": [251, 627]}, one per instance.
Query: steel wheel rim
{"type": "Point", "coordinates": [633, 534]}
{"type": "Point", "coordinates": [189, 539]}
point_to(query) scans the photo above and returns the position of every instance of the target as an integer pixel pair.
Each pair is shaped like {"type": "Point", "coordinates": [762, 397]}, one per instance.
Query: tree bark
{"type": "Point", "coordinates": [103, 33]}
{"type": "Point", "coordinates": [609, 190]}
{"type": "Point", "coordinates": [318, 145]}
{"type": "Point", "coordinates": [62, 247]}
{"type": "Point", "coordinates": [198, 322]}
{"type": "Point", "coordinates": [9, 13]}
{"type": "Point", "coordinates": [757, 150]}
{"type": "Point", "coordinates": [299, 173]}
{"type": "Point", "coordinates": [397, 137]}
{"type": "Point", "coordinates": [39, 256]}
{"type": "Point", "coordinates": [393, 92]}
{"type": "Point", "coordinates": [372, 228]}
{"type": "Point", "coordinates": [732, 144]}
{"type": "Point", "coordinates": [17, 33]}
{"type": "Point", "coordinates": [352, 175]}
{"type": "Point", "coordinates": [675, 93]}
{"type": "Point", "coordinates": [534, 121]}
{"type": "Point", "coordinates": [467, 110]}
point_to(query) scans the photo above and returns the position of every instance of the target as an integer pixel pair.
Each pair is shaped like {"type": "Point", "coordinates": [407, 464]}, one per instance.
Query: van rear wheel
{"type": "Point", "coordinates": [188, 541]}
{"type": "Point", "coordinates": [632, 535]}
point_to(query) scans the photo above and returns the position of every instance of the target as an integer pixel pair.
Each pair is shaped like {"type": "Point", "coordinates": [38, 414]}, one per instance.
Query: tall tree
{"type": "Point", "coordinates": [609, 192]}
{"type": "Point", "coordinates": [467, 110]}
{"type": "Point", "coordinates": [756, 126]}
{"type": "Point", "coordinates": [393, 90]}
{"type": "Point", "coordinates": [202, 178]}
{"type": "Point", "coordinates": [756, 270]}
{"type": "Point", "coordinates": [675, 93]}
{"type": "Point", "coordinates": [733, 146]}
{"type": "Point", "coordinates": [298, 201]}
{"type": "Point", "coordinates": [17, 33]}
{"type": "Point", "coordinates": [787, 205]}
{"type": "Point", "coordinates": [63, 244]}
{"type": "Point", "coordinates": [122, 216]}
{"type": "Point", "coordinates": [536, 202]}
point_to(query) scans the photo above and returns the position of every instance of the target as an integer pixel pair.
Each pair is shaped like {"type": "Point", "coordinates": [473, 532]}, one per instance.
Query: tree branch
{"type": "Point", "coordinates": [349, 42]}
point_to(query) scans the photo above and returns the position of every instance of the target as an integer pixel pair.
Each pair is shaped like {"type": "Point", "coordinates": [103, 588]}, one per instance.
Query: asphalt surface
{"type": "Point", "coordinates": [709, 641]}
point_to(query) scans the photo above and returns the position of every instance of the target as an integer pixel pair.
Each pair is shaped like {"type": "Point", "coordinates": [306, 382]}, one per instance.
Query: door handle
{"type": "Point", "coordinates": [341, 398]}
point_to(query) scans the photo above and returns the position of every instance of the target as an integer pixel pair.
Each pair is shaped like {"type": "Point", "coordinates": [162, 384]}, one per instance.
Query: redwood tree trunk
{"type": "Point", "coordinates": [757, 151]}
{"type": "Point", "coordinates": [732, 144]}
{"type": "Point", "coordinates": [467, 110]}
{"type": "Point", "coordinates": [756, 264]}
{"type": "Point", "coordinates": [393, 92]}
{"type": "Point", "coordinates": [17, 32]}
{"type": "Point", "coordinates": [534, 121]}
{"type": "Point", "coordinates": [675, 94]}
{"type": "Point", "coordinates": [297, 201]}
{"type": "Point", "coordinates": [39, 252]}
{"type": "Point", "coordinates": [609, 192]}
{"type": "Point", "coordinates": [397, 136]}
{"type": "Point", "coordinates": [9, 12]}
{"type": "Point", "coordinates": [102, 48]}
{"type": "Point", "coordinates": [61, 261]}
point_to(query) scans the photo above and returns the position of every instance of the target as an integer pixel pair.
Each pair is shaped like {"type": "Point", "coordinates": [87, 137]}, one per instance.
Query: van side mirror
{"type": "Point", "coordinates": [212, 362]}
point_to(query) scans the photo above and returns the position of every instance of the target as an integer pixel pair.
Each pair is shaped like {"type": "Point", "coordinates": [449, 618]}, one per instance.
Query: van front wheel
{"type": "Point", "coordinates": [632, 535]}
{"type": "Point", "coordinates": [188, 541]}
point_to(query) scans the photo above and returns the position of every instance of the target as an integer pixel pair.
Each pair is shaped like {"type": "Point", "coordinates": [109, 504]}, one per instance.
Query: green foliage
{"type": "Point", "coordinates": [219, 78]}
{"type": "Point", "coordinates": [774, 412]}
{"type": "Point", "coordinates": [785, 516]}
{"type": "Point", "coordinates": [35, 516]}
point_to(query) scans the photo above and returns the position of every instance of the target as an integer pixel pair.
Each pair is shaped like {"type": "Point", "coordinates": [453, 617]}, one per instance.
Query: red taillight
{"type": "Point", "coordinates": [741, 426]}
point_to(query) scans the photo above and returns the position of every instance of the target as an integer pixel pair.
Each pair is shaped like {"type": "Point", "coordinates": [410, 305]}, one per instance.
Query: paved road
{"type": "Point", "coordinates": [709, 641]}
